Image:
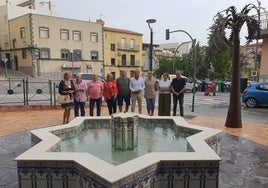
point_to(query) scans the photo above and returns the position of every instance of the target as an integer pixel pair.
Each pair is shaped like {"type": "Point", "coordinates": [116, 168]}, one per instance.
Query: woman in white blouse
{"type": "Point", "coordinates": [164, 101]}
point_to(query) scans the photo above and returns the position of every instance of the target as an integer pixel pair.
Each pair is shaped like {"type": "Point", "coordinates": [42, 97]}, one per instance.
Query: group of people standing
{"type": "Point", "coordinates": [120, 91]}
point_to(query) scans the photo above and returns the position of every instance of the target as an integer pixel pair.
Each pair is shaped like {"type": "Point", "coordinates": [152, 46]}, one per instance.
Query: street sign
{"type": "Point", "coordinates": [254, 73]}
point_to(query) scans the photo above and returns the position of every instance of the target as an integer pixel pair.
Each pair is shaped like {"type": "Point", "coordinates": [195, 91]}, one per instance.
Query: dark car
{"type": "Point", "coordinates": [256, 94]}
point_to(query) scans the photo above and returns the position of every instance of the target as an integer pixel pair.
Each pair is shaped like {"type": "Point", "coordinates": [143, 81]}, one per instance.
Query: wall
{"type": "Point", "coordinates": [4, 39]}
{"type": "Point", "coordinates": [114, 37]}
{"type": "Point", "coordinates": [264, 61]}
{"type": "Point", "coordinates": [55, 64]}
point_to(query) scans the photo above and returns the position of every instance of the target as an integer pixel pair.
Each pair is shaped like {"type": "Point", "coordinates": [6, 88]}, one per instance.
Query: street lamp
{"type": "Point", "coordinates": [150, 21]}
{"type": "Point", "coordinates": [257, 39]}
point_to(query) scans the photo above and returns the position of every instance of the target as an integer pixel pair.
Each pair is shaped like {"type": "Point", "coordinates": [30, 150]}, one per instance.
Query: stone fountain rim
{"type": "Point", "coordinates": [41, 151]}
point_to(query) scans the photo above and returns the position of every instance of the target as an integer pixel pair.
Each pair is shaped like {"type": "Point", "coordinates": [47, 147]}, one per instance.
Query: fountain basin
{"type": "Point", "coordinates": [41, 167]}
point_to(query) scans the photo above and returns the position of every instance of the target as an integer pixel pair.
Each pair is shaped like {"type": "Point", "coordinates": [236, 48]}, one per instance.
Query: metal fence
{"type": "Point", "coordinates": [22, 91]}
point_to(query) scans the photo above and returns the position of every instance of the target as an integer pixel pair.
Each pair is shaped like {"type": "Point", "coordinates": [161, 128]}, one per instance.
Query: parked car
{"type": "Point", "coordinates": [189, 83]}
{"type": "Point", "coordinates": [87, 77]}
{"type": "Point", "coordinates": [256, 94]}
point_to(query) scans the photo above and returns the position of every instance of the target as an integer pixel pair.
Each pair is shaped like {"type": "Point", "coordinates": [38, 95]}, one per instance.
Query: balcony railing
{"type": "Point", "coordinates": [128, 63]}
{"type": "Point", "coordinates": [128, 47]}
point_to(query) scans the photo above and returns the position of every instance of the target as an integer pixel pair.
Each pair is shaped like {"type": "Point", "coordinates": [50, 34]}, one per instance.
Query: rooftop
{"type": "Point", "coordinates": [111, 29]}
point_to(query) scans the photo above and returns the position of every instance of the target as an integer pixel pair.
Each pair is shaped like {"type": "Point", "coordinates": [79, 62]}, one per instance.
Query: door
{"type": "Point", "coordinates": [16, 63]}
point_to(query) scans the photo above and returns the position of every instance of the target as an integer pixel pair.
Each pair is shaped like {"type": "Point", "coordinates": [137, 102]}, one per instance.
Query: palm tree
{"type": "Point", "coordinates": [234, 22]}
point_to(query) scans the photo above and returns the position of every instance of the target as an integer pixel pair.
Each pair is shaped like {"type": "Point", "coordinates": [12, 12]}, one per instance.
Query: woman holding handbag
{"type": "Point", "coordinates": [66, 87]}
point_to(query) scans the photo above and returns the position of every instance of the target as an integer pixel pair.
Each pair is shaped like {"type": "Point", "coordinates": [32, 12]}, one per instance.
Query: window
{"type": "Point", "coordinates": [44, 53]}
{"type": "Point", "coordinates": [43, 32]}
{"type": "Point", "coordinates": [132, 73]}
{"type": "Point", "coordinates": [64, 34]}
{"type": "Point", "coordinates": [112, 61]}
{"type": "Point", "coordinates": [94, 55]}
{"type": "Point", "coordinates": [64, 53]}
{"type": "Point", "coordinates": [93, 37]}
{"type": "Point", "coordinates": [132, 60]}
{"type": "Point", "coordinates": [124, 60]}
{"type": "Point", "coordinates": [113, 73]}
{"type": "Point", "coordinates": [77, 55]}
{"type": "Point", "coordinates": [22, 32]}
{"type": "Point", "coordinates": [14, 43]}
{"type": "Point", "coordinates": [77, 35]}
{"type": "Point", "coordinates": [24, 54]}
{"type": "Point", "coordinates": [132, 44]}
{"type": "Point", "coordinates": [123, 43]}
{"type": "Point", "coordinates": [262, 87]}
{"type": "Point", "coordinates": [112, 47]}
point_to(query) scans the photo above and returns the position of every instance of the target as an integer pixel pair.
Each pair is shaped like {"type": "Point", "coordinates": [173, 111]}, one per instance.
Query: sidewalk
{"type": "Point", "coordinates": [26, 119]}
{"type": "Point", "coordinates": [244, 161]}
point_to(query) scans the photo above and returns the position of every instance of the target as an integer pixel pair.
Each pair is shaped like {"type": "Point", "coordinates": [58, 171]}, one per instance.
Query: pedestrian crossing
{"type": "Point", "coordinates": [198, 100]}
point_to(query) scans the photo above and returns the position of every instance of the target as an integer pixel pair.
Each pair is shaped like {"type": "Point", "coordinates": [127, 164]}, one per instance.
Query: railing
{"type": "Point", "coordinates": [264, 24]}
{"type": "Point", "coordinates": [264, 21]}
{"type": "Point", "coordinates": [128, 63]}
{"type": "Point", "coordinates": [128, 47]}
{"type": "Point", "coordinates": [28, 92]}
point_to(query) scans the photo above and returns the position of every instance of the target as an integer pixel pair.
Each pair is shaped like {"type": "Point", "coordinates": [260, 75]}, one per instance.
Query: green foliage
{"type": "Point", "coordinates": [218, 53]}
{"type": "Point", "coordinates": [186, 64]}
{"type": "Point", "coordinates": [165, 65]}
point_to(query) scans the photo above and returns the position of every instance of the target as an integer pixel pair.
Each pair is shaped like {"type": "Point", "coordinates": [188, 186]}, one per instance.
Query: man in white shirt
{"type": "Point", "coordinates": [136, 86]}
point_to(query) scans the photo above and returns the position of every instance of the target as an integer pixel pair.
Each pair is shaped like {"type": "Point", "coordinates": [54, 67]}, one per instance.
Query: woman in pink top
{"type": "Point", "coordinates": [95, 89]}
{"type": "Point", "coordinates": [80, 95]}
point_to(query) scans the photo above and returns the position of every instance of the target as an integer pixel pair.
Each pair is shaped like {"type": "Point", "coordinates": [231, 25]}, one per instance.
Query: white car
{"type": "Point", "coordinates": [189, 83]}
{"type": "Point", "coordinates": [87, 77]}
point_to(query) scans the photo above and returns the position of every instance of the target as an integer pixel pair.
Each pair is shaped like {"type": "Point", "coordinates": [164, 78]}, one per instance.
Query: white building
{"type": "Point", "coordinates": [10, 9]}
{"type": "Point", "coordinates": [175, 49]}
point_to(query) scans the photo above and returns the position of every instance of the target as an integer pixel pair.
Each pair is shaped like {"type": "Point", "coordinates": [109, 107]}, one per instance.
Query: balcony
{"type": "Point", "coordinates": [123, 63]}
{"type": "Point", "coordinates": [264, 25]}
{"type": "Point", "coordinates": [128, 47]}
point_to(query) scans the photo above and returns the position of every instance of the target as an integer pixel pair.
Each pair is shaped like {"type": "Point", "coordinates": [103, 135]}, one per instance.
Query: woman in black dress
{"type": "Point", "coordinates": [66, 87]}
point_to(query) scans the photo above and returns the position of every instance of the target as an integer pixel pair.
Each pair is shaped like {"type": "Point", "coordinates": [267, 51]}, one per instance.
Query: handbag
{"type": "Point", "coordinates": [64, 99]}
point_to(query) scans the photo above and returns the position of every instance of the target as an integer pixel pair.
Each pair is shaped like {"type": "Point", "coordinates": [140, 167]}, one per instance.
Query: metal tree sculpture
{"type": "Point", "coordinates": [234, 22]}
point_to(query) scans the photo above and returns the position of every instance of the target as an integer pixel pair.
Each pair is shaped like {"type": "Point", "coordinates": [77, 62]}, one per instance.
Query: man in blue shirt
{"type": "Point", "coordinates": [136, 86]}
{"type": "Point", "coordinates": [178, 88]}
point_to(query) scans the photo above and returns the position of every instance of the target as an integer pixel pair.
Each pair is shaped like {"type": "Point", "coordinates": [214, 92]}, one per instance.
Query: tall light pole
{"type": "Point", "coordinates": [257, 42]}
{"type": "Point", "coordinates": [150, 21]}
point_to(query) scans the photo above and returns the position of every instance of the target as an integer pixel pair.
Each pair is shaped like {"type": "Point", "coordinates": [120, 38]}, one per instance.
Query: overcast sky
{"type": "Point", "coordinates": [193, 16]}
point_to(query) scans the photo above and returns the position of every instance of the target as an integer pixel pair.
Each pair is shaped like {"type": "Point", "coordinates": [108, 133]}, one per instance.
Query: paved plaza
{"type": "Point", "coordinates": [244, 151]}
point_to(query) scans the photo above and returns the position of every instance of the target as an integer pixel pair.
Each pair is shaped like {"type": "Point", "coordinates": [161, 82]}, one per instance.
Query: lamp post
{"type": "Point", "coordinates": [257, 41]}
{"type": "Point", "coordinates": [194, 58]}
{"type": "Point", "coordinates": [150, 21]}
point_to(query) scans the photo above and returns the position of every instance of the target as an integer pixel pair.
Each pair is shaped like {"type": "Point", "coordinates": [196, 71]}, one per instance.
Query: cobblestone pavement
{"type": "Point", "coordinates": [244, 163]}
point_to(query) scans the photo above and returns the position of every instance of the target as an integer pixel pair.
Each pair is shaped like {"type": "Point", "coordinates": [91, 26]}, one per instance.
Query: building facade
{"type": "Point", "coordinates": [264, 57]}
{"type": "Point", "coordinates": [122, 50]}
{"type": "Point", "coordinates": [12, 9]}
{"type": "Point", "coordinates": [43, 45]}
{"type": "Point", "coordinates": [248, 59]}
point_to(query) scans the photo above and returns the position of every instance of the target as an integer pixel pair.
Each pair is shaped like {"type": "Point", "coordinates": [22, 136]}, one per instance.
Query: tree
{"type": "Point", "coordinates": [234, 22]}
{"type": "Point", "coordinates": [218, 53]}
{"type": "Point", "coordinates": [165, 65]}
